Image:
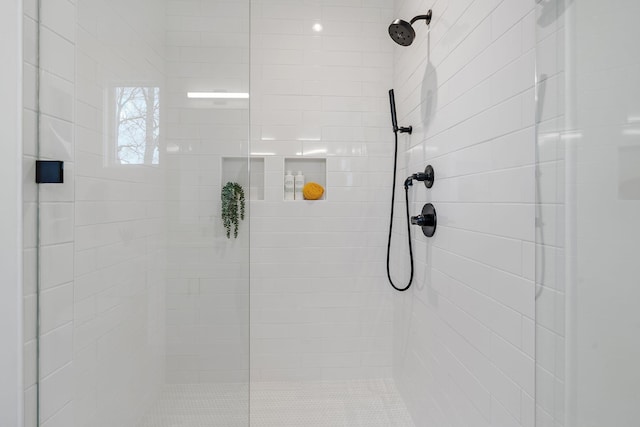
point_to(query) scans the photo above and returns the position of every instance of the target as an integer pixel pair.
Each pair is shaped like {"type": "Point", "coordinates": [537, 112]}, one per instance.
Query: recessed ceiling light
{"type": "Point", "coordinates": [317, 27]}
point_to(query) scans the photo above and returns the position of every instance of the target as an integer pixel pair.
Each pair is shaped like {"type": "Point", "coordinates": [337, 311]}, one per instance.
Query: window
{"type": "Point", "coordinates": [137, 133]}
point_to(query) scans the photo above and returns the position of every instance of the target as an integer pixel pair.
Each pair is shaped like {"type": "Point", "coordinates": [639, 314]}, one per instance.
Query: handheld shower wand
{"type": "Point", "coordinates": [394, 117]}
{"type": "Point", "coordinates": [409, 130]}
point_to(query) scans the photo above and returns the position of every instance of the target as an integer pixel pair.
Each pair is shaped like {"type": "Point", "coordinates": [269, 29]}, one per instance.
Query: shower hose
{"type": "Point", "coordinates": [393, 200]}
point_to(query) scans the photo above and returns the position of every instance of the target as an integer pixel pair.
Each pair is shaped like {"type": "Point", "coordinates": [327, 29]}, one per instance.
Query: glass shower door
{"type": "Point", "coordinates": [588, 322]}
{"type": "Point", "coordinates": [143, 295]}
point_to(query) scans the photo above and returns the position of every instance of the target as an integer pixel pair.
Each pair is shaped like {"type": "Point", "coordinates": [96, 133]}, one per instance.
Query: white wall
{"type": "Point", "coordinates": [553, 242]}
{"type": "Point", "coordinates": [119, 220]}
{"type": "Point", "coordinates": [10, 217]}
{"type": "Point", "coordinates": [30, 218]}
{"type": "Point", "coordinates": [320, 304]}
{"type": "Point", "coordinates": [101, 233]}
{"type": "Point", "coordinates": [48, 237]}
{"type": "Point", "coordinates": [588, 321]}
{"type": "Point", "coordinates": [465, 332]}
{"type": "Point", "coordinates": [208, 288]}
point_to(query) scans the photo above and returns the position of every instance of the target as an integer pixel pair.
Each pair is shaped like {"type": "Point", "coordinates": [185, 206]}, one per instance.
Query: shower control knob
{"type": "Point", "coordinates": [421, 220]}
{"type": "Point", "coordinates": [428, 220]}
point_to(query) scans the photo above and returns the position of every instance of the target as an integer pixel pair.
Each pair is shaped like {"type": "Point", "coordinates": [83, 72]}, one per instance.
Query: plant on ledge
{"type": "Point", "coordinates": [232, 207]}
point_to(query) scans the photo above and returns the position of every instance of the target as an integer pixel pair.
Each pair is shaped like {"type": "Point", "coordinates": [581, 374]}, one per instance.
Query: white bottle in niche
{"type": "Point", "coordinates": [289, 186]}
{"type": "Point", "coordinates": [299, 182]}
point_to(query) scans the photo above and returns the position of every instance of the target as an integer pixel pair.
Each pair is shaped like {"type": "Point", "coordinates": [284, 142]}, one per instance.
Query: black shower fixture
{"type": "Point", "coordinates": [396, 130]}
{"type": "Point", "coordinates": [428, 177]}
{"type": "Point", "coordinates": [428, 220]}
{"type": "Point", "coordinates": [394, 117]}
{"type": "Point", "coordinates": [402, 32]}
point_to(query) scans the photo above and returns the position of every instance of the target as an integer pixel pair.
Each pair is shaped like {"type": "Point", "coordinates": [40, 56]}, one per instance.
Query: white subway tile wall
{"type": "Point", "coordinates": [459, 344]}
{"type": "Point", "coordinates": [55, 78]}
{"type": "Point", "coordinates": [463, 337]}
{"type": "Point", "coordinates": [120, 221]}
{"type": "Point", "coordinates": [207, 145]}
{"type": "Point", "coordinates": [102, 232]}
{"type": "Point", "coordinates": [51, 320]}
{"type": "Point", "coordinates": [320, 305]}
{"type": "Point", "coordinates": [550, 217]}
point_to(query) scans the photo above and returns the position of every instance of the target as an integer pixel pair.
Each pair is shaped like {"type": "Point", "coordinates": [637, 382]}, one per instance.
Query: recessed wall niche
{"type": "Point", "coordinates": [314, 169]}
{"type": "Point", "coordinates": [234, 169]}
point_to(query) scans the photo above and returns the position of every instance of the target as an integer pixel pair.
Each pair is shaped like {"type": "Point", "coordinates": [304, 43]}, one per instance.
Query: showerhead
{"type": "Point", "coordinates": [402, 32]}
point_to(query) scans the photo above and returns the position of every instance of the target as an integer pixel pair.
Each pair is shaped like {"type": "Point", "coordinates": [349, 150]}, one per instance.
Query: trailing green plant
{"type": "Point", "coordinates": [232, 207]}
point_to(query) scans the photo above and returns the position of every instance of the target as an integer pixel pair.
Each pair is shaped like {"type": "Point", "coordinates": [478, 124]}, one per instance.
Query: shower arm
{"type": "Point", "coordinates": [428, 177]}
{"type": "Point", "coordinates": [426, 17]}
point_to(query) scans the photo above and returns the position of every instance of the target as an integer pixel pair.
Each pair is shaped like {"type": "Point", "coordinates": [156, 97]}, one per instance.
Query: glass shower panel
{"type": "Point", "coordinates": [588, 204]}
{"type": "Point", "coordinates": [144, 300]}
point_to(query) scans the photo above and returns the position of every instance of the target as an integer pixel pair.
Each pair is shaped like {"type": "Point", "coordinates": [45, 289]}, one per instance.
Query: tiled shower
{"type": "Point", "coordinates": [139, 311]}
